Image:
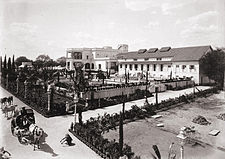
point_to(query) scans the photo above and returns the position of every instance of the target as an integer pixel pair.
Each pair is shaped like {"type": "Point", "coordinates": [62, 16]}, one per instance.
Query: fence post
{"type": "Point", "coordinates": [7, 81]}
{"type": "Point", "coordinates": [17, 85]}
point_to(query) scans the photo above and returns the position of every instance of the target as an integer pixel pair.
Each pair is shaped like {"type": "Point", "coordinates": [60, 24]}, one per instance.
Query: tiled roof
{"type": "Point", "coordinates": [177, 54]}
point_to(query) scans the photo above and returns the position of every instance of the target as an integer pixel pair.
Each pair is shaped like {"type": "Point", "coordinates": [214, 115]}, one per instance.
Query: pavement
{"type": "Point", "coordinates": [55, 129]}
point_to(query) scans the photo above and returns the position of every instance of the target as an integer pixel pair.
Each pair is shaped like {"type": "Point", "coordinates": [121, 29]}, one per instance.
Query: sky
{"type": "Point", "coordinates": [33, 27]}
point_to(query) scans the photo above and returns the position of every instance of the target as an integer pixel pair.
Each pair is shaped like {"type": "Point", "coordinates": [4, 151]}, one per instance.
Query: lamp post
{"type": "Point", "coordinates": [25, 89]}
{"type": "Point", "coordinates": [182, 138]}
{"type": "Point", "coordinates": [75, 99]}
{"type": "Point", "coordinates": [146, 89]}
{"type": "Point", "coordinates": [17, 85]}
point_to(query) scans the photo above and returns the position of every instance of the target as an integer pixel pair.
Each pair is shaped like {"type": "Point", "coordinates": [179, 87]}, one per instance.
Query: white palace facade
{"type": "Point", "coordinates": [95, 59]}
{"type": "Point", "coordinates": [165, 63]}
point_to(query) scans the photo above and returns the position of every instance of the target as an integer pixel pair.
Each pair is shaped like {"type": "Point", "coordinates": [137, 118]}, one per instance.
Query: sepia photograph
{"type": "Point", "coordinates": [112, 79]}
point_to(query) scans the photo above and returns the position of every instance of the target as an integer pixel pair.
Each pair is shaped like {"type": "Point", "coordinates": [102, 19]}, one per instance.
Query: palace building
{"type": "Point", "coordinates": [94, 59]}
{"type": "Point", "coordinates": [165, 63]}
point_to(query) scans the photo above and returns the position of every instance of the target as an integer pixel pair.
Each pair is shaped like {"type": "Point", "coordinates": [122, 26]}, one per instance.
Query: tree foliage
{"type": "Point", "coordinates": [9, 65]}
{"type": "Point", "coordinates": [13, 64]}
{"type": "Point", "coordinates": [77, 75]}
{"type": "Point", "coordinates": [62, 61]}
{"type": "Point", "coordinates": [43, 58]}
{"type": "Point", "coordinates": [5, 63]}
{"type": "Point", "coordinates": [21, 59]}
{"type": "Point", "coordinates": [44, 61]}
{"type": "Point", "coordinates": [213, 65]}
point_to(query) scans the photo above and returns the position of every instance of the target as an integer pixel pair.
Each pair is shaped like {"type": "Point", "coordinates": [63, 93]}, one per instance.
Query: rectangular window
{"type": "Point", "coordinates": [146, 59]}
{"type": "Point", "coordinates": [161, 67]}
{"type": "Point", "coordinates": [121, 66]}
{"type": "Point", "coordinates": [192, 67]}
{"type": "Point", "coordinates": [68, 65]}
{"type": "Point", "coordinates": [142, 66]}
{"type": "Point", "coordinates": [125, 65]}
{"type": "Point", "coordinates": [87, 56]}
{"type": "Point", "coordinates": [69, 55]}
{"type": "Point", "coordinates": [154, 67]}
{"type": "Point", "coordinates": [99, 66]}
{"type": "Point", "coordinates": [130, 66]}
{"type": "Point", "coordinates": [136, 67]}
{"type": "Point", "coordinates": [183, 67]}
{"type": "Point", "coordinates": [135, 59]}
{"type": "Point", "coordinates": [147, 67]}
{"type": "Point", "coordinates": [177, 66]}
{"type": "Point", "coordinates": [77, 55]}
{"type": "Point", "coordinates": [169, 66]}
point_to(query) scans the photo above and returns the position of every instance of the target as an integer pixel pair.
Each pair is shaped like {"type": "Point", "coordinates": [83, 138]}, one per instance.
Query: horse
{"type": "Point", "coordinates": [37, 133]}
{"type": "Point", "coordinates": [10, 108]}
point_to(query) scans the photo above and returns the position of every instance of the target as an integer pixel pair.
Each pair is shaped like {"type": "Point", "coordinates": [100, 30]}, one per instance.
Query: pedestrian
{"type": "Point", "coordinates": [67, 139]}
{"type": "Point", "coordinates": [3, 153]}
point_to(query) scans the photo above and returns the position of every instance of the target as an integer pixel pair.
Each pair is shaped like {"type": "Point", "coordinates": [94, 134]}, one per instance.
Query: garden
{"type": "Point", "coordinates": [99, 126]}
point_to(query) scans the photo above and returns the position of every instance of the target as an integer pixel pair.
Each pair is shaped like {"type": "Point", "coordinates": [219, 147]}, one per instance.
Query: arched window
{"type": "Point", "coordinates": [87, 66]}
{"type": "Point", "coordinates": [92, 66]}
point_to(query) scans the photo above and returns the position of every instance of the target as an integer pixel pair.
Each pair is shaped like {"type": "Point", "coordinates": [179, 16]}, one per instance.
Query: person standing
{"type": "Point", "coordinates": [67, 139]}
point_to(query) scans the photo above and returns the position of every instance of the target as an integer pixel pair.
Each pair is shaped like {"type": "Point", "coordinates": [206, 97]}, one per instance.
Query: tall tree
{"type": "Point", "coordinates": [13, 64]}
{"type": "Point", "coordinates": [4, 69]}
{"type": "Point", "coordinates": [1, 64]}
{"type": "Point", "coordinates": [9, 65]}
{"type": "Point", "coordinates": [213, 66]}
{"type": "Point", "coordinates": [5, 63]}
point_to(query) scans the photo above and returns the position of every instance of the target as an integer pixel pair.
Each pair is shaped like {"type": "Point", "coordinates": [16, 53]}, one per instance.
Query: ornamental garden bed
{"type": "Point", "coordinates": [92, 132]}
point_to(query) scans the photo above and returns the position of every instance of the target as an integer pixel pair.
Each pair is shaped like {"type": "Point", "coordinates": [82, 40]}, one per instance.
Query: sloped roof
{"type": "Point", "coordinates": [178, 54]}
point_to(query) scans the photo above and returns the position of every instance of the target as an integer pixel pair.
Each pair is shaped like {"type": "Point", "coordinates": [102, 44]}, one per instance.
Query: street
{"type": "Point", "coordinates": [54, 130]}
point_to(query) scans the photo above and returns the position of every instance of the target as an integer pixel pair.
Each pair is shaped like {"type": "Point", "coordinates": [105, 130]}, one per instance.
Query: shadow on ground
{"type": "Point", "coordinates": [45, 147]}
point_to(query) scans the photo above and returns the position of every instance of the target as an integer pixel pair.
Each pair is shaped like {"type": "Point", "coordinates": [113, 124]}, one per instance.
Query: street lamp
{"type": "Point", "coordinates": [75, 99]}
{"type": "Point", "coordinates": [182, 138]}
{"type": "Point", "coordinates": [146, 89]}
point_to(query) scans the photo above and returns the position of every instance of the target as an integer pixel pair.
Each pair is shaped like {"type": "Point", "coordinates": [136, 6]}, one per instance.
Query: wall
{"type": "Point", "coordinates": [187, 72]}
{"type": "Point", "coordinates": [125, 90]}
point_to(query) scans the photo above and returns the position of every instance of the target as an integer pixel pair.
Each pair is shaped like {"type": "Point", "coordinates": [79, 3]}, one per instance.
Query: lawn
{"type": "Point", "coordinates": [141, 135]}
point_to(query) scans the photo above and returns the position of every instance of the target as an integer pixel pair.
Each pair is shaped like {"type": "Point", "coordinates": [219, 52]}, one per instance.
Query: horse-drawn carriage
{"type": "Point", "coordinates": [23, 126]}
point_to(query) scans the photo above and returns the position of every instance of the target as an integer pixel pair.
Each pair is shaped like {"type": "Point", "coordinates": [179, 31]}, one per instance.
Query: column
{"type": "Point", "coordinates": [49, 100]}
{"type": "Point", "coordinates": [25, 89]}
{"type": "Point", "coordinates": [50, 94]}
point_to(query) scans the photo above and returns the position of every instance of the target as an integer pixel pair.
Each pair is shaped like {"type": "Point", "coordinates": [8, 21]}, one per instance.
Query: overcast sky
{"type": "Point", "coordinates": [34, 27]}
